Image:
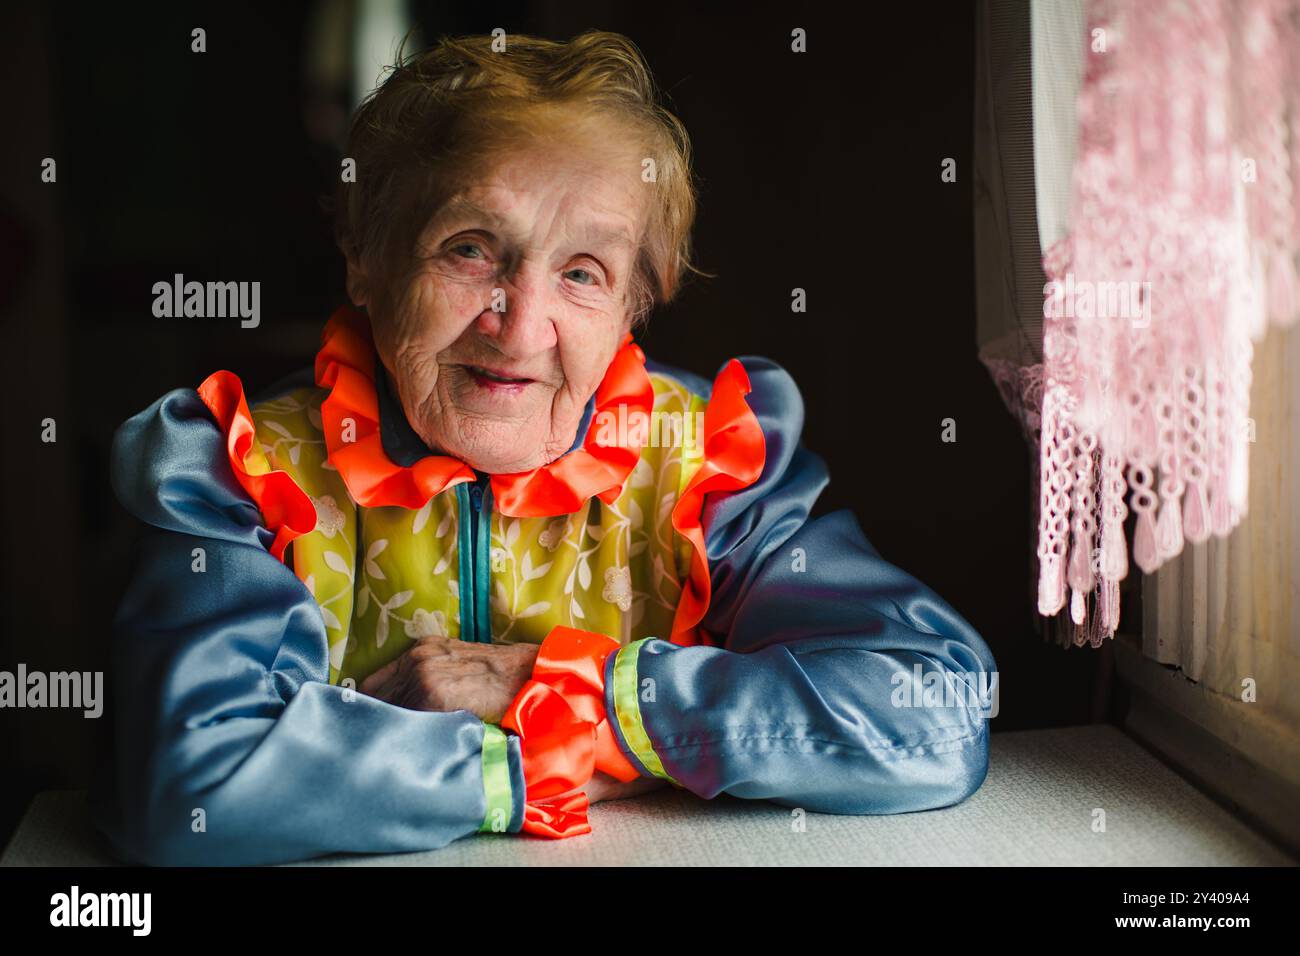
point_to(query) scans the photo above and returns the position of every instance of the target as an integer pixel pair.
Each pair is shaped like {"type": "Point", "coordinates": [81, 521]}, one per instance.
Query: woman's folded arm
{"type": "Point", "coordinates": [843, 684]}
{"type": "Point", "coordinates": [230, 744]}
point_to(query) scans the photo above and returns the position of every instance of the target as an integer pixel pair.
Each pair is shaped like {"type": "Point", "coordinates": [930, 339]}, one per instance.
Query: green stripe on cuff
{"type": "Point", "coordinates": [628, 709]}
{"type": "Point", "coordinates": [496, 781]}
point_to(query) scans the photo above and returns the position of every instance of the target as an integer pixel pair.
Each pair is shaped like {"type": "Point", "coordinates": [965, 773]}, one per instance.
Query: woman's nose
{"type": "Point", "coordinates": [518, 319]}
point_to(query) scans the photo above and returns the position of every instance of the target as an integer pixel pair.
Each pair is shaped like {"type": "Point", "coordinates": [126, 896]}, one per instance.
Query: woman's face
{"type": "Point", "coordinates": [519, 301]}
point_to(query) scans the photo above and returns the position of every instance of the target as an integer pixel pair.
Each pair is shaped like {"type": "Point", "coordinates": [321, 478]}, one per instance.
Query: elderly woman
{"type": "Point", "coordinates": [486, 562]}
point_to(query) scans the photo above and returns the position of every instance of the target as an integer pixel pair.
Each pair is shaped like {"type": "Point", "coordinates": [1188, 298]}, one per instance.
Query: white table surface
{"type": "Point", "coordinates": [1035, 808]}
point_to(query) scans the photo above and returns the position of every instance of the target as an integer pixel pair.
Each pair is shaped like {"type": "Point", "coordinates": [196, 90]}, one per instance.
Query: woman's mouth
{"type": "Point", "coordinates": [495, 380]}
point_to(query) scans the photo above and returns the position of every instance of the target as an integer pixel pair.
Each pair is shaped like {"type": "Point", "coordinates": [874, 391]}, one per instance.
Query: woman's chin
{"type": "Point", "coordinates": [500, 444]}
{"type": "Point", "coordinates": [502, 466]}
{"type": "Point", "coordinates": [502, 456]}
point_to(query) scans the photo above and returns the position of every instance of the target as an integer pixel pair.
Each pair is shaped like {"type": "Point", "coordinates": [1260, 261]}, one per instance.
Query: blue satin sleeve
{"type": "Point", "coordinates": [230, 745]}
{"type": "Point", "coordinates": [845, 685]}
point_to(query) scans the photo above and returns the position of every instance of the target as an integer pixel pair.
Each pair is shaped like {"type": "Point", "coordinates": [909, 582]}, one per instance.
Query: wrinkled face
{"type": "Point", "coordinates": [516, 309]}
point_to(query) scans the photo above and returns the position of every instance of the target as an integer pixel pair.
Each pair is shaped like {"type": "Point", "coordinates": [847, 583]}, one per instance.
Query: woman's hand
{"type": "Point", "coordinates": [444, 674]}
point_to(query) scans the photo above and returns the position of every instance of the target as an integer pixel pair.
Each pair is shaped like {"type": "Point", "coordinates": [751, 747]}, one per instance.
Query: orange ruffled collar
{"type": "Point", "coordinates": [345, 365]}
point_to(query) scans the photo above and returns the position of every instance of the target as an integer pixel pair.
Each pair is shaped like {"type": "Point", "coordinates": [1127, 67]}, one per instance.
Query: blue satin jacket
{"type": "Point", "coordinates": [834, 691]}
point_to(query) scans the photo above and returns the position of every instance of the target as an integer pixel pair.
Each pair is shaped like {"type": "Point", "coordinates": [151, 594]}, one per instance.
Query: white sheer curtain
{"type": "Point", "coordinates": [1029, 78]}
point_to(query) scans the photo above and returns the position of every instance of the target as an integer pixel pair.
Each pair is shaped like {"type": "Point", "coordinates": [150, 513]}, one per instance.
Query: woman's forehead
{"type": "Point", "coordinates": [591, 221]}
{"type": "Point", "coordinates": [593, 204]}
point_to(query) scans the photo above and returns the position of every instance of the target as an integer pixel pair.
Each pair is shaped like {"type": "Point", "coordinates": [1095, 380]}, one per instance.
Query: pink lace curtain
{"type": "Point", "coordinates": [1183, 241]}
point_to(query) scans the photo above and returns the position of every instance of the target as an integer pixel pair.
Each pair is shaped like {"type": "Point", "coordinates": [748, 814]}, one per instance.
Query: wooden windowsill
{"type": "Point", "coordinates": [1236, 753]}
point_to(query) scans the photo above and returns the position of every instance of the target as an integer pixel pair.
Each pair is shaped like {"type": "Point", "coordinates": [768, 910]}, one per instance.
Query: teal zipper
{"type": "Point", "coordinates": [475, 539]}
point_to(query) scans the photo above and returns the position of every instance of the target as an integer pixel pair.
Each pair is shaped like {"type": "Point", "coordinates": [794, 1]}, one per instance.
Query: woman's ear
{"type": "Point", "coordinates": [358, 286]}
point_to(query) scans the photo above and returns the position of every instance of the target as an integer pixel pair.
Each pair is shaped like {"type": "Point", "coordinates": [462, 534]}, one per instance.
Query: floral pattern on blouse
{"type": "Point", "coordinates": [386, 577]}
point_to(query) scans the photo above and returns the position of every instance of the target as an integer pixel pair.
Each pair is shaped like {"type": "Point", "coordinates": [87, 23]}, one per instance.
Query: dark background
{"type": "Point", "coordinates": [819, 171]}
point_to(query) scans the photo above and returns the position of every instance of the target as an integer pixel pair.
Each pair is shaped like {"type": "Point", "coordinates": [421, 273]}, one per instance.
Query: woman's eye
{"type": "Point", "coordinates": [471, 247]}
{"type": "Point", "coordinates": [581, 276]}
